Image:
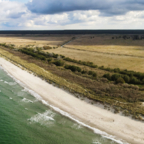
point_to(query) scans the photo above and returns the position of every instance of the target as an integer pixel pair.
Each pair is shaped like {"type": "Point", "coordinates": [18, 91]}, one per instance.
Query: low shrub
{"type": "Point", "coordinates": [58, 63]}
{"type": "Point", "coordinates": [11, 46]}
{"type": "Point", "coordinates": [31, 53]}
{"type": "Point", "coordinates": [46, 47]}
{"type": "Point", "coordinates": [83, 72]}
{"type": "Point", "coordinates": [90, 64]}
{"type": "Point", "coordinates": [62, 56]}
{"type": "Point", "coordinates": [120, 80]}
{"type": "Point", "coordinates": [90, 73]}
{"type": "Point", "coordinates": [116, 70]}
{"type": "Point", "coordinates": [49, 59]}
{"type": "Point", "coordinates": [126, 78]}
{"type": "Point", "coordinates": [55, 55]}
{"type": "Point", "coordinates": [73, 68]}
{"type": "Point", "coordinates": [107, 76]}
{"type": "Point", "coordinates": [94, 75]}
{"type": "Point", "coordinates": [123, 78]}
{"type": "Point", "coordinates": [134, 80]}
{"type": "Point", "coordinates": [143, 81]}
{"type": "Point", "coordinates": [114, 77]}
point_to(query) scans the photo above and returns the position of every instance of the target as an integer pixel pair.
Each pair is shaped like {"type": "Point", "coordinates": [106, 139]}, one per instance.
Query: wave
{"type": "Point", "coordinates": [10, 83]}
{"type": "Point", "coordinates": [97, 131]}
{"type": "Point", "coordinates": [96, 142]}
{"type": "Point", "coordinates": [46, 118]}
{"type": "Point", "coordinates": [77, 126]}
{"type": "Point", "coordinates": [26, 100]}
{"type": "Point", "coordinates": [6, 82]}
{"type": "Point", "coordinates": [34, 119]}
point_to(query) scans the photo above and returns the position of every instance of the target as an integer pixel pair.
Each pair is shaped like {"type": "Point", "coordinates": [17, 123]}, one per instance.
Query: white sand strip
{"type": "Point", "coordinates": [123, 127]}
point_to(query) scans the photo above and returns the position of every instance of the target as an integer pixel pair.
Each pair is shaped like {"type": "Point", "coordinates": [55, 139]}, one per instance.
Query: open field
{"type": "Point", "coordinates": [107, 60]}
{"type": "Point", "coordinates": [135, 51]}
{"type": "Point", "coordinates": [92, 40]}
{"type": "Point", "coordinates": [34, 40]}
{"type": "Point", "coordinates": [102, 50]}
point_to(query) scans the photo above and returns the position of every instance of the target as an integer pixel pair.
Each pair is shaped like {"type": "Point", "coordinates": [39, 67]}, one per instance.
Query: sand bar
{"type": "Point", "coordinates": [122, 127]}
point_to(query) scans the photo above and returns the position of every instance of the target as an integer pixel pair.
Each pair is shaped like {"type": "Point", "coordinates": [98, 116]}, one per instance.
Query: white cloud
{"type": "Point", "coordinates": [15, 15]}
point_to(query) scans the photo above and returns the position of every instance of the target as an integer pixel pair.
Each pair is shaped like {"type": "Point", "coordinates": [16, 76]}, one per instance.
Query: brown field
{"type": "Point", "coordinates": [103, 50]}
{"type": "Point", "coordinates": [88, 40]}
{"type": "Point", "coordinates": [35, 40]}
{"type": "Point", "coordinates": [107, 60]}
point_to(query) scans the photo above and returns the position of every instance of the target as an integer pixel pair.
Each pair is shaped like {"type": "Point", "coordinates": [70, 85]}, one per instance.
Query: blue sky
{"type": "Point", "coordinates": [71, 14]}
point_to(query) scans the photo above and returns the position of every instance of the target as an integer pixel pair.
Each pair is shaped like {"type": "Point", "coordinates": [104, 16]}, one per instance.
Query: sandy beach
{"type": "Point", "coordinates": [114, 124]}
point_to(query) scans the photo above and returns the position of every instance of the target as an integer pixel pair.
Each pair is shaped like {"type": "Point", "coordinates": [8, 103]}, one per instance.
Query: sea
{"type": "Point", "coordinates": [27, 119]}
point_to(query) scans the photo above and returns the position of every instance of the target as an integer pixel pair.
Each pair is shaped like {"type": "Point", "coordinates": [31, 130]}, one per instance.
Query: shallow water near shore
{"type": "Point", "coordinates": [26, 120]}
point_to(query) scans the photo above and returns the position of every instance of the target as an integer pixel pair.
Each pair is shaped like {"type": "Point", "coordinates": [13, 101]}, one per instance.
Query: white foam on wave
{"type": "Point", "coordinates": [24, 90]}
{"type": "Point", "coordinates": [10, 83]}
{"type": "Point", "coordinates": [6, 82]}
{"type": "Point", "coordinates": [26, 100]}
{"type": "Point", "coordinates": [96, 142]}
{"type": "Point", "coordinates": [97, 131]}
{"type": "Point", "coordinates": [20, 93]}
{"type": "Point", "coordinates": [76, 126]}
{"type": "Point", "coordinates": [1, 80]}
{"type": "Point", "coordinates": [37, 96]}
{"type": "Point", "coordinates": [46, 118]}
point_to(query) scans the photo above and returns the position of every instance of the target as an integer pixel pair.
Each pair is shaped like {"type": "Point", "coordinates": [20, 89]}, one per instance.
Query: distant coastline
{"type": "Point", "coordinates": [23, 32]}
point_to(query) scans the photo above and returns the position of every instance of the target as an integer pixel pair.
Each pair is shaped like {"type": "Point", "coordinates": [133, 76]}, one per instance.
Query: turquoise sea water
{"type": "Point", "coordinates": [25, 120]}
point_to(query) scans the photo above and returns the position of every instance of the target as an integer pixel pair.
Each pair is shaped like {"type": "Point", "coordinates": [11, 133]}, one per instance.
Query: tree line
{"type": "Point", "coordinates": [121, 76]}
{"type": "Point", "coordinates": [47, 56]}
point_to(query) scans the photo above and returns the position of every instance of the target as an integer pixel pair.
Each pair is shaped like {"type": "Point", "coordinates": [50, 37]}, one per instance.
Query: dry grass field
{"type": "Point", "coordinates": [107, 60]}
{"type": "Point", "coordinates": [92, 40]}
{"type": "Point", "coordinates": [105, 51]}
{"type": "Point", "coordinates": [35, 40]}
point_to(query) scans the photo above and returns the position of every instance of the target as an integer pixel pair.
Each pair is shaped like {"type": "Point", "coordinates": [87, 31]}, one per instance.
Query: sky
{"type": "Point", "coordinates": [71, 14]}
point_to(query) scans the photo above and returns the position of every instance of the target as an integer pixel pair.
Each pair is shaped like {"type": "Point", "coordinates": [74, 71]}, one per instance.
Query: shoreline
{"type": "Point", "coordinates": [130, 130]}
